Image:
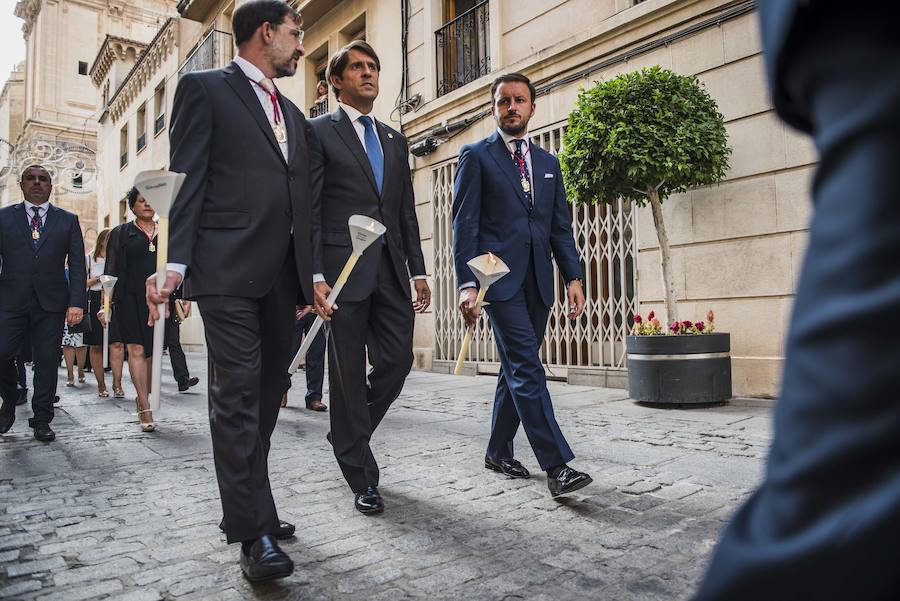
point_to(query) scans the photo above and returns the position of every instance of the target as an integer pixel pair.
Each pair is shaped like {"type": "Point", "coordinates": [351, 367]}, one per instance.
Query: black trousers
{"type": "Point", "coordinates": [45, 329]}
{"type": "Point", "coordinates": [315, 357]}
{"type": "Point", "coordinates": [824, 523]}
{"type": "Point", "coordinates": [381, 325]}
{"type": "Point", "coordinates": [176, 353]}
{"type": "Point", "coordinates": [249, 343]}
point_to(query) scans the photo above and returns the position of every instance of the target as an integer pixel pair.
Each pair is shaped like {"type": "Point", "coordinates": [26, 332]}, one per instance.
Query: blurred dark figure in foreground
{"type": "Point", "coordinates": [824, 523]}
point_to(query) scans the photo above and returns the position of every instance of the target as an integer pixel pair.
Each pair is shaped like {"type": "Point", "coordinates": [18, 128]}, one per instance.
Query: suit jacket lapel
{"type": "Point", "coordinates": [244, 90]}
{"type": "Point", "coordinates": [22, 216]}
{"type": "Point", "coordinates": [49, 222]}
{"type": "Point", "coordinates": [498, 150]}
{"type": "Point", "coordinates": [538, 166]}
{"type": "Point", "coordinates": [345, 130]}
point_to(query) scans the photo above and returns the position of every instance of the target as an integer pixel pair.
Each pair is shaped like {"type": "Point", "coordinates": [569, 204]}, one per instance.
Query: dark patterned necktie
{"type": "Point", "coordinates": [525, 176]}
{"type": "Point", "coordinates": [37, 225]}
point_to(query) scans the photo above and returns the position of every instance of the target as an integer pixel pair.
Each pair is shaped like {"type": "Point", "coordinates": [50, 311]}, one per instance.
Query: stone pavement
{"type": "Point", "coordinates": [107, 512]}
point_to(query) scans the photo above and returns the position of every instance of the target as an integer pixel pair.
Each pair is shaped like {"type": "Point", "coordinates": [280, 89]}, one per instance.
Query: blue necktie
{"type": "Point", "coordinates": [376, 159]}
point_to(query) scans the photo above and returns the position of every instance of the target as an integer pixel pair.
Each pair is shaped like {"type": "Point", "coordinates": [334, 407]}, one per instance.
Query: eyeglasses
{"type": "Point", "coordinates": [300, 32]}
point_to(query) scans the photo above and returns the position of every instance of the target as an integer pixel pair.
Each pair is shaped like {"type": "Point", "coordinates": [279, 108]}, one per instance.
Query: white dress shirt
{"type": "Point", "coordinates": [29, 212]}
{"type": "Point", "coordinates": [358, 126]}
{"type": "Point", "coordinates": [255, 75]}
{"type": "Point", "coordinates": [526, 150]}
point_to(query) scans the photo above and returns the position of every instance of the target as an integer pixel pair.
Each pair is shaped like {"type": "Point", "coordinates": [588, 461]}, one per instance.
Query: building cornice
{"type": "Point", "coordinates": [157, 51]}
{"type": "Point", "coordinates": [29, 11]}
{"type": "Point", "coordinates": [113, 48]}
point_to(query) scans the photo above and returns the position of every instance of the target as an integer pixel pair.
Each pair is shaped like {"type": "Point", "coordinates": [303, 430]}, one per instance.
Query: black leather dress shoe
{"type": "Point", "coordinates": [185, 384]}
{"type": "Point", "coordinates": [7, 416]}
{"type": "Point", "coordinates": [23, 396]}
{"type": "Point", "coordinates": [566, 481]}
{"type": "Point", "coordinates": [369, 501]}
{"type": "Point", "coordinates": [43, 432]}
{"type": "Point", "coordinates": [510, 467]}
{"type": "Point", "coordinates": [266, 561]}
{"type": "Point", "coordinates": [283, 531]}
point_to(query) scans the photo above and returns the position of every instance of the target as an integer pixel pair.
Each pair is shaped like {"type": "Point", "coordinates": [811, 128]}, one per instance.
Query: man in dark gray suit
{"type": "Point", "coordinates": [825, 521]}
{"type": "Point", "coordinates": [240, 231]}
{"type": "Point", "coordinates": [36, 240]}
{"type": "Point", "coordinates": [360, 166]}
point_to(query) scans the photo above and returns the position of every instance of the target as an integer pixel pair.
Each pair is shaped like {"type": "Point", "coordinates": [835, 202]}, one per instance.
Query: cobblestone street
{"type": "Point", "coordinates": [109, 512]}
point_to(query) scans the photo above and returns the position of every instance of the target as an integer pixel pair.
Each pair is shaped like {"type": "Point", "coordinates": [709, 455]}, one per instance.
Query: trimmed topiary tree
{"type": "Point", "coordinates": [643, 136]}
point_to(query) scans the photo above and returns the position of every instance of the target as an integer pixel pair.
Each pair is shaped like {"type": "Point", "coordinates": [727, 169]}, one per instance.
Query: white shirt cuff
{"type": "Point", "coordinates": [179, 268]}
{"type": "Point", "coordinates": [467, 285]}
{"type": "Point", "coordinates": [419, 277]}
{"type": "Point", "coordinates": [318, 277]}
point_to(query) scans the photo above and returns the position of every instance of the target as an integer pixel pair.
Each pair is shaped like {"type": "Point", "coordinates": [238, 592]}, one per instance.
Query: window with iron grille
{"type": "Point", "coordinates": [463, 45]}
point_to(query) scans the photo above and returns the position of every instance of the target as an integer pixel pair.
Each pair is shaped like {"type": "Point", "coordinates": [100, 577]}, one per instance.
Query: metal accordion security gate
{"type": "Point", "coordinates": [605, 237]}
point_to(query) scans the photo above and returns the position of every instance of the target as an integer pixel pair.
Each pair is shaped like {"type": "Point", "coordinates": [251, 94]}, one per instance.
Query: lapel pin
{"type": "Point", "coordinates": [390, 135]}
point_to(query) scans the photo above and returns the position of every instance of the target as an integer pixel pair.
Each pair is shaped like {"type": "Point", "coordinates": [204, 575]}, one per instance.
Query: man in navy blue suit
{"type": "Point", "coordinates": [36, 239]}
{"type": "Point", "coordinates": [508, 199]}
{"type": "Point", "coordinates": [825, 521]}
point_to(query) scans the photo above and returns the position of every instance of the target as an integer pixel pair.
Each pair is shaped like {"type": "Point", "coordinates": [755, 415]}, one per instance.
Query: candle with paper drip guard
{"type": "Point", "coordinates": [159, 189]}
{"type": "Point", "coordinates": [108, 283]}
{"type": "Point", "coordinates": [488, 268]}
{"type": "Point", "coordinates": [363, 232]}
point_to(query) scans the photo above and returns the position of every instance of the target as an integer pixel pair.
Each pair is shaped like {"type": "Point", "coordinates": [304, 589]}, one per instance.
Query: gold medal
{"type": "Point", "coordinates": [526, 186]}
{"type": "Point", "coordinates": [152, 248]}
{"type": "Point", "coordinates": [280, 134]}
{"type": "Point", "coordinates": [35, 235]}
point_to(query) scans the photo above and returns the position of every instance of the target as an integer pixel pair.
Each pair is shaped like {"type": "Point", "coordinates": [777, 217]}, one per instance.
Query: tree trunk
{"type": "Point", "coordinates": [665, 254]}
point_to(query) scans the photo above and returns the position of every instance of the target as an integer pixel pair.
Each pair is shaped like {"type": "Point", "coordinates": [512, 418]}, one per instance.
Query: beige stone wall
{"type": "Point", "coordinates": [738, 245]}
{"type": "Point", "coordinates": [12, 114]}
{"type": "Point", "coordinates": [117, 180]}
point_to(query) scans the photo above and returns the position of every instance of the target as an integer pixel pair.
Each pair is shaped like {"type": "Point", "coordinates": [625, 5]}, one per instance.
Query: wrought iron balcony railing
{"type": "Point", "coordinates": [215, 51]}
{"type": "Point", "coordinates": [319, 108]}
{"type": "Point", "coordinates": [463, 49]}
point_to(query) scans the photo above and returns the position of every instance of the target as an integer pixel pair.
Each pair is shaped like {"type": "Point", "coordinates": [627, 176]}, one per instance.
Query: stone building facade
{"type": "Point", "coordinates": [737, 246]}
{"type": "Point", "coordinates": [12, 114]}
{"type": "Point", "coordinates": [60, 104]}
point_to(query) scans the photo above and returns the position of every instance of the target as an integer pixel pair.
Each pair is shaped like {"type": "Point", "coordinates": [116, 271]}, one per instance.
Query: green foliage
{"type": "Point", "coordinates": [640, 130]}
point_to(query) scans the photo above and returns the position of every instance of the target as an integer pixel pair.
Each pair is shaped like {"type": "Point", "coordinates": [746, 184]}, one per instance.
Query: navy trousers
{"type": "Point", "coordinates": [522, 396]}
{"type": "Point", "coordinates": [825, 522]}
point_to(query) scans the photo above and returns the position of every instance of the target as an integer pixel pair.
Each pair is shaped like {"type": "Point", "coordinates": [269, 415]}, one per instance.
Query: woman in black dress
{"type": "Point", "coordinates": [131, 257]}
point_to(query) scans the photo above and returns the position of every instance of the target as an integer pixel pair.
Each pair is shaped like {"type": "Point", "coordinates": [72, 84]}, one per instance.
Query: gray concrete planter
{"type": "Point", "coordinates": [688, 369]}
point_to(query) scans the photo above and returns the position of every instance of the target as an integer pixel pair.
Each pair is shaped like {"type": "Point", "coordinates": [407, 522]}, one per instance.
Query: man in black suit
{"type": "Point", "coordinates": [824, 522]}
{"type": "Point", "coordinates": [36, 239]}
{"type": "Point", "coordinates": [240, 232]}
{"type": "Point", "coordinates": [360, 166]}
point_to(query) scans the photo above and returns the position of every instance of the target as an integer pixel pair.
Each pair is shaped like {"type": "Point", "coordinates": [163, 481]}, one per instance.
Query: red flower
{"type": "Point", "coordinates": [686, 324]}
{"type": "Point", "coordinates": [700, 326]}
{"type": "Point", "coordinates": [638, 318]}
{"type": "Point", "coordinates": [674, 326]}
{"type": "Point", "coordinates": [651, 316]}
{"type": "Point", "coordinates": [710, 317]}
